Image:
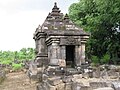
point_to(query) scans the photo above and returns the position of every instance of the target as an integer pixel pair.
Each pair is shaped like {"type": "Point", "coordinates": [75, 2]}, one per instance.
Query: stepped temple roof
{"type": "Point", "coordinates": [59, 24]}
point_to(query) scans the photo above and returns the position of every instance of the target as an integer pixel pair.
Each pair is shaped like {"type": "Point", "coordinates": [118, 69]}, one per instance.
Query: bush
{"type": "Point", "coordinates": [6, 62]}
{"type": "Point", "coordinates": [105, 59]}
{"type": "Point", "coordinates": [16, 66]}
{"type": "Point", "coordinates": [95, 60]}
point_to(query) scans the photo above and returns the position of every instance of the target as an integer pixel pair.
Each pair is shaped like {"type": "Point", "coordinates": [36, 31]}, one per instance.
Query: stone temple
{"type": "Point", "coordinates": [60, 57]}
{"type": "Point", "coordinates": [60, 50]}
{"type": "Point", "coordinates": [59, 42]}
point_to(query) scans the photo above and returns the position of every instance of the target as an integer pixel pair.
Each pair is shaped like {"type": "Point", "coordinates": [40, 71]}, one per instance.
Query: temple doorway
{"type": "Point", "coordinates": [70, 55]}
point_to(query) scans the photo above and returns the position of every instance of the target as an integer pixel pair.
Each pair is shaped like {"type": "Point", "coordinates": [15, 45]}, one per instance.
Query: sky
{"type": "Point", "coordinates": [20, 18]}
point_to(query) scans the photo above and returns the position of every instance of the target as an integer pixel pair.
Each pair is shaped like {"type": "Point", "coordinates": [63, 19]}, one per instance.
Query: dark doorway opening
{"type": "Point", "coordinates": [70, 55]}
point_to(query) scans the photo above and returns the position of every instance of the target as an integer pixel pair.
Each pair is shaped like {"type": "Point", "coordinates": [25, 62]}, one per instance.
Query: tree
{"type": "Point", "coordinates": [30, 53]}
{"type": "Point", "coordinates": [26, 54]}
{"type": "Point", "coordinates": [101, 18]}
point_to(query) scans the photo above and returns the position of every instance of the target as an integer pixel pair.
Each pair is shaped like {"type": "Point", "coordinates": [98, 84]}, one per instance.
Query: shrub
{"type": "Point", "coordinates": [6, 62]}
{"type": "Point", "coordinates": [95, 60]}
{"type": "Point", "coordinates": [16, 66]}
{"type": "Point", "coordinates": [105, 59]}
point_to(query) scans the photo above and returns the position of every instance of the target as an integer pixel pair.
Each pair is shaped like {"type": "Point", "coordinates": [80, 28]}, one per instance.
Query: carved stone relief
{"type": "Point", "coordinates": [69, 41]}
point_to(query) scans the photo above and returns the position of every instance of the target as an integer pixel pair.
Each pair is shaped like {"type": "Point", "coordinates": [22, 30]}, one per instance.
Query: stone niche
{"type": "Point", "coordinates": [59, 42]}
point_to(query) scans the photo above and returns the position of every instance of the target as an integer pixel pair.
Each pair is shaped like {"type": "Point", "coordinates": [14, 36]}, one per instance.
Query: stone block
{"type": "Point", "coordinates": [104, 74]}
{"type": "Point", "coordinates": [39, 77]}
{"type": "Point", "coordinates": [85, 75]}
{"type": "Point", "coordinates": [62, 63]}
{"type": "Point", "coordinates": [71, 71]}
{"type": "Point", "coordinates": [45, 77]}
{"type": "Point", "coordinates": [77, 76]}
{"type": "Point", "coordinates": [96, 74]}
{"type": "Point", "coordinates": [68, 86]}
{"type": "Point", "coordinates": [51, 68]}
{"type": "Point", "coordinates": [39, 87]}
{"type": "Point", "coordinates": [51, 73]}
{"type": "Point", "coordinates": [96, 85]}
{"type": "Point", "coordinates": [54, 61]}
{"type": "Point", "coordinates": [41, 60]}
{"type": "Point", "coordinates": [85, 88]}
{"type": "Point", "coordinates": [60, 86]}
{"type": "Point", "coordinates": [105, 88]}
{"type": "Point", "coordinates": [80, 86]}
{"type": "Point", "coordinates": [56, 71]}
{"type": "Point", "coordinates": [112, 67]}
{"type": "Point", "coordinates": [76, 86]}
{"type": "Point", "coordinates": [67, 79]}
{"type": "Point", "coordinates": [46, 86]}
{"type": "Point", "coordinates": [112, 74]}
{"type": "Point", "coordinates": [32, 75]}
{"type": "Point", "coordinates": [54, 81]}
{"type": "Point", "coordinates": [59, 72]}
{"type": "Point", "coordinates": [116, 85]}
{"type": "Point", "coordinates": [40, 69]}
{"type": "Point", "coordinates": [50, 87]}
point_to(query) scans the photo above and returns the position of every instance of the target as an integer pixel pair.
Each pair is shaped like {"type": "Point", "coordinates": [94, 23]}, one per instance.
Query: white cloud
{"type": "Point", "coordinates": [16, 30]}
{"type": "Point", "coordinates": [20, 18]}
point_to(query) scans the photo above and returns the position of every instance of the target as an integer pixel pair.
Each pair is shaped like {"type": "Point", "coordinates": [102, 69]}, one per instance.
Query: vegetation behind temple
{"type": "Point", "coordinates": [101, 18]}
{"type": "Point", "coordinates": [16, 58]}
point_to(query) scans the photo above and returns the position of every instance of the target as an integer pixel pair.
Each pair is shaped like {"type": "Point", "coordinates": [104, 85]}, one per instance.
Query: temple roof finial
{"type": "Point", "coordinates": [55, 10]}
{"type": "Point", "coordinates": [55, 4]}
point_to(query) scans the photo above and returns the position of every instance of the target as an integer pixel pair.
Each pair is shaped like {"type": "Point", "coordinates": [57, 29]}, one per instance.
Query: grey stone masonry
{"type": "Point", "coordinates": [58, 38]}
{"type": "Point", "coordinates": [60, 51]}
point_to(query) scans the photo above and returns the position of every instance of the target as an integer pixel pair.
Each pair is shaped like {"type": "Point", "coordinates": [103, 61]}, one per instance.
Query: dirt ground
{"type": "Point", "coordinates": [17, 81]}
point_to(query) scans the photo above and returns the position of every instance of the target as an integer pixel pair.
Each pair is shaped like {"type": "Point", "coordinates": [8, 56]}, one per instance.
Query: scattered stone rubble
{"type": "Point", "coordinates": [78, 82]}
{"type": "Point", "coordinates": [66, 79]}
